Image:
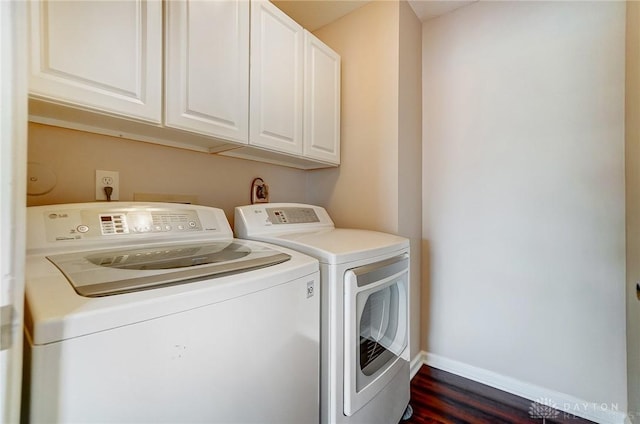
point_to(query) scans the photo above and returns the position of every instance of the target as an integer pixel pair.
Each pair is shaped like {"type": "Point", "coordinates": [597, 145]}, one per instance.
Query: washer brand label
{"type": "Point", "coordinates": [61, 226]}
{"type": "Point", "coordinates": [310, 289]}
{"type": "Point", "coordinates": [68, 238]}
{"type": "Point", "coordinates": [58, 215]}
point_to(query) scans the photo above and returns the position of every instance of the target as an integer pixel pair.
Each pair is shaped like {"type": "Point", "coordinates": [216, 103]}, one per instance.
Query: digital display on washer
{"type": "Point", "coordinates": [292, 215]}
{"type": "Point", "coordinates": [114, 224]}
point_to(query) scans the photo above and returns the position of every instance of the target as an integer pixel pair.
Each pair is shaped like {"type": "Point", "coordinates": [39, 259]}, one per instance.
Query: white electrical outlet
{"type": "Point", "coordinates": [107, 179]}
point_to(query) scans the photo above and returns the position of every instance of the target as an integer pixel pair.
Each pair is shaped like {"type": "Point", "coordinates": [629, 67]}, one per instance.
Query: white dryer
{"type": "Point", "coordinates": [151, 312]}
{"type": "Point", "coordinates": [364, 308]}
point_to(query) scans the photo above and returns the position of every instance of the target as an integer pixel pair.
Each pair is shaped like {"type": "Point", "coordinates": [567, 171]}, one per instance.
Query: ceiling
{"type": "Point", "coordinates": [314, 14]}
{"type": "Point", "coordinates": [427, 9]}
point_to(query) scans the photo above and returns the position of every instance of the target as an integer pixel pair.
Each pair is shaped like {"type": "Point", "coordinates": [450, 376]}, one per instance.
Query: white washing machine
{"type": "Point", "coordinates": [152, 312]}
{"type": "Point", "coordinates": [364, 308]}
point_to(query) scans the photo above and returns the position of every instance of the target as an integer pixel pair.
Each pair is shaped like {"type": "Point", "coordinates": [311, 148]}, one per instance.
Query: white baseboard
{"type": "Point", "coordinates": [416, 363]}
{"type": "Point", "coordinates": [599, 413]}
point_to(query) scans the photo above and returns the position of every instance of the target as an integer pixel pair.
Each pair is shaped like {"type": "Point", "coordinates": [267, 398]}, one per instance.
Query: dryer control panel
{"type": "Point", "coordinates": [292, 215]}
{"type": "Point", "coordinates": [273, 218]}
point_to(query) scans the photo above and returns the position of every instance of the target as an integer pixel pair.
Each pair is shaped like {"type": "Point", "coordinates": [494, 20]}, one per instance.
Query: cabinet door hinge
{"type": "Point", "coordinates": [7, 315]}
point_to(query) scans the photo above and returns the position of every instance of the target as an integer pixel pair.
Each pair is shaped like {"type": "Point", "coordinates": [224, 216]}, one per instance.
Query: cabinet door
{"type": "Point", "coordinates": [102, 55]}
{"type": "Point", "coordinates": [321, 101]}
{"type": "Point", "coordinates": [207, 67]}
{"type": "Point", "coordinates": [276, 79]}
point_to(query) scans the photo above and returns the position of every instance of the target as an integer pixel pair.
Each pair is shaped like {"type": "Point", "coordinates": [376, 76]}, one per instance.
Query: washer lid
{"type": "Point", "coordinates": [108, 272]}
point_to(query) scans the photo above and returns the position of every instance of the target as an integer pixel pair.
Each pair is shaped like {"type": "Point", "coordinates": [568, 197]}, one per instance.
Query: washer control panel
{"type": "Point", "coordinates": [149, 222]}
{"type": "Point", "coordinates": [52, 224]}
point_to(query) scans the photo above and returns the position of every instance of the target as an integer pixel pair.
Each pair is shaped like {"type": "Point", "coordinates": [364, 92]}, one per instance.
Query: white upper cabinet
{"type": "Point", "coordinates": [239, 78]}
{"type": "Point", "coordinates": [207, 68]}
{"type": "Point", "coordinates": [321, 101]}
{"type": "Point", "coordinates": [101, 55]}
{"type": "Point", "coordinates": [276, 81]}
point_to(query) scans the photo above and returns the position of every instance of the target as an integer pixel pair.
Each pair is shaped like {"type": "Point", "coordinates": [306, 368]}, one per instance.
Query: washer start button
{"type": "Point", "coordinates": [82, 228]}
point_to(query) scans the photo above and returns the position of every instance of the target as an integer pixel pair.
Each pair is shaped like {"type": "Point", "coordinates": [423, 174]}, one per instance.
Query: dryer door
{"type": "Point", "coordinates": [376, 328]}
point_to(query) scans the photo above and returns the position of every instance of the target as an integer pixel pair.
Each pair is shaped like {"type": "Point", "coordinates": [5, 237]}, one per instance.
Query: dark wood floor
{"type": "Point", "coordinates": [440, 397]}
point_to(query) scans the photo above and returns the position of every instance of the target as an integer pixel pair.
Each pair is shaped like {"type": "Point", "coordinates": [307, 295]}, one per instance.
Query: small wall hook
{"type": "Point", "coordinates": [259, 191]}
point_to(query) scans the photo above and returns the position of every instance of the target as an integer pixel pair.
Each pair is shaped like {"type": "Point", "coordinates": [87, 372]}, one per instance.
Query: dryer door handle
{"type": "Point", "coordinates": [380, 271]}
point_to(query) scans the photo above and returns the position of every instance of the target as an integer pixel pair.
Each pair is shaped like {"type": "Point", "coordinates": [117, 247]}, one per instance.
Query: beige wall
{"type": "Point", "coordinates": [367, 40]}
{"type": "Point", "coordinates": [523, 163]}
{"type": "Point", "coordinates": [147, 168]}
{"type": "Point", "coordinates": [377, 186]}
{"type": "Point", "coordinates": [409, 168]}
{"type": "Point", "coordinates": [632, 155]}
